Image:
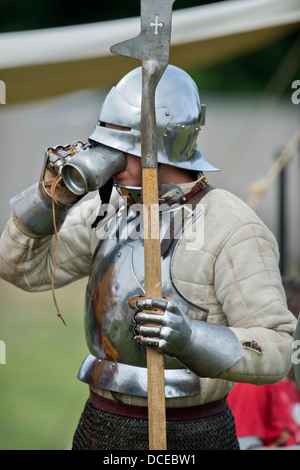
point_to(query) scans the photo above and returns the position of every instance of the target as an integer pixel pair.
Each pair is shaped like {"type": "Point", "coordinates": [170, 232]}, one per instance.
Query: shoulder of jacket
{"type": "Point", "coordinates": [227, 217]}
{"type": "Point", "coordinates": [226, 204]}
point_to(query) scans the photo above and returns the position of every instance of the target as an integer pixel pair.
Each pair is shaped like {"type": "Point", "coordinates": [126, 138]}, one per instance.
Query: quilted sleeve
{"type": "Point", "coordinates": [248, 286]}
{"type": "Point", "coordinates": [26, 258]}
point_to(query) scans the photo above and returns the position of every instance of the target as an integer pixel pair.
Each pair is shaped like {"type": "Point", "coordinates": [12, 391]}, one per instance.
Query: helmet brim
{"type": "Point", "coordinates": [124, 143]}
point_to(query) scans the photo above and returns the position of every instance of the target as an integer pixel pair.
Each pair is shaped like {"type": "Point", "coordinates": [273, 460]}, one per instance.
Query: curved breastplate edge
{"type": "Point", "coordinates": [132, 380]}
{"type": "Point", "coordinates": [174, 248]}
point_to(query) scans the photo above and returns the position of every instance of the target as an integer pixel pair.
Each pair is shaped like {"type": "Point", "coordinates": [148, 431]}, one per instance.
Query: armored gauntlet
{"type": "Point", "coordinates": [205, 348]}
{"type": "Point", "coordinates": [55, 160]}
{"type": "Point", "coordinates": [34, 205]}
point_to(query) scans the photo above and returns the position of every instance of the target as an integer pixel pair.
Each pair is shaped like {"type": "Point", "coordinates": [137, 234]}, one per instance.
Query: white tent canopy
{"type": "Point", "coordinates": [46, 62]}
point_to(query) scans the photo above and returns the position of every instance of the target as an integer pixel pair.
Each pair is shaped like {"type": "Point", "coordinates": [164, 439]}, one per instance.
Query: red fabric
{"type": "Point", "coordinates": [271, 412]}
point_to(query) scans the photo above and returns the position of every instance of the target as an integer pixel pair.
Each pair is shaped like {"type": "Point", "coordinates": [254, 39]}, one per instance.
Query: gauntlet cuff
{"type": "Point", "coordinates": [34, 208]}
{"type": "Point", "coordinates": [211, 349]}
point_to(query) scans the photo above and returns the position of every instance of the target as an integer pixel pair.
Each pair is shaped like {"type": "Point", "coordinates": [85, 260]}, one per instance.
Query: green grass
{"type": "Point", "coordinates": [41, 398]}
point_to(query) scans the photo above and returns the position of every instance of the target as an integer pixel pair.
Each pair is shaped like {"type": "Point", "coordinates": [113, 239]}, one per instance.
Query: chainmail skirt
{"type": "Point", "coordinates": [100, 430]}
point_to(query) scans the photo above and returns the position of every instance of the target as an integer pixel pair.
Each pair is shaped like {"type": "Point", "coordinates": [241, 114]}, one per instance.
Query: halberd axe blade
{"type": "Point", "coordinates": [151, 47]}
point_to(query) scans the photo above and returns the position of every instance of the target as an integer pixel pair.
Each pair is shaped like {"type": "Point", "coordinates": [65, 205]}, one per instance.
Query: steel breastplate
{"type": "Point", "coordinates": [116, 362]}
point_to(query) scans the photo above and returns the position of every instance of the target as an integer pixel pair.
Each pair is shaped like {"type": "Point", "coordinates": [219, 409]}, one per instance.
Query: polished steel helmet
{"type": "Point", "coordinates": [179, 115]}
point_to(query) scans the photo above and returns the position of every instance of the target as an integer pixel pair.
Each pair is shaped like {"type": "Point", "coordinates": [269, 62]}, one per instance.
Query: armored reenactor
{"type": "Point", "coordinates": [223, 316]}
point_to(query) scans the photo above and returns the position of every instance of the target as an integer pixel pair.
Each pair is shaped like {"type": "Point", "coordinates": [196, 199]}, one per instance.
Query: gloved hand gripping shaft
{"type": "Point", "coordinates": [204, 348]}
